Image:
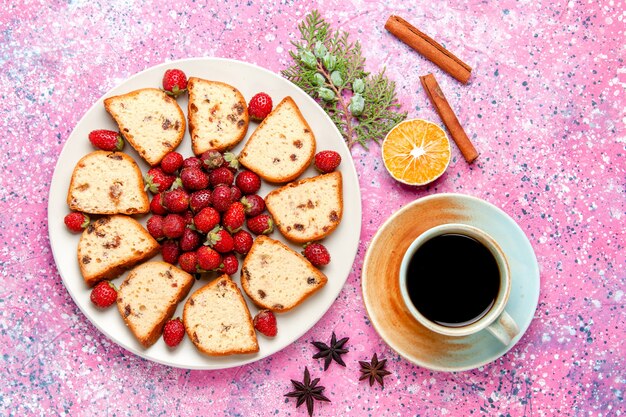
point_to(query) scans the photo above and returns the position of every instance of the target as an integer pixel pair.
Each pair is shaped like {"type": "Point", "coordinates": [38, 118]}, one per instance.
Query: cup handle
{"type": "Point", "coordinates": [504, 328]}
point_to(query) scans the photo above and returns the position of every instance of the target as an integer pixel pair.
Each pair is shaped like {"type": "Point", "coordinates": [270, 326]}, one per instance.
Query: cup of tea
{"type": "Point", "coordinates": [455, 280]}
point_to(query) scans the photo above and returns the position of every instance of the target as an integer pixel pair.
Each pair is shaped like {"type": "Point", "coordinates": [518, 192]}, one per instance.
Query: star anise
{"type": "Point", "coordinates": [332, 352]}
{"type": "Point", "coordinates": [374, 370]}
{"type": "Point", "coordinates": [307, 392]}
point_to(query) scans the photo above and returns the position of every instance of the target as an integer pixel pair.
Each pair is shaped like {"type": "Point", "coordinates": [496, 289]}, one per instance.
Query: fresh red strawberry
{"type": "Point", "coordinates": [208, 258]}
{"type": "Point", "coordinates": [212, 159]}
{"type": "Point", "coordinates": [156, 205]}
{"type": "Point", "coordinates": [248, 182]}
{"type": "Point", "coordinates": [260, 106]}
{"type": "Point", "coordinates": [76, 221]}
{"type": "Point", "coordinates": [174, 226]}
{"type": "Point", "coordinates": [188, 216]}
{"type": "Point", "coordinates": [155, 226]}
{"type": "Point", "coordinates": [188, 262]}
{"type": "Point", "coordinates": [158, 181]}
{"type": "Point", "coordinates": [253, 205]}
{"type": "Point", "coordinates": [194, 178]}
{"type": "Point", "coordinates": [221, 198]}
{"type": "Point", "coordinates": [317, 254]}
{"type": "Point", "coordinates": [327, 161]}
{"type": "Point", "coordinates": [206, 219]}
{"type": "Point", "coordinates": [242, 241]}
{"type": "Point", "coordinates": [173, 332]}
{"type": "Point", "coordinates": [171, 162]}
{"type": "Point", "coordinates": [265, 323]}
{"type": "Point", "coordinates": [104, 294]}
{"type": "Point", "coordinates": [189, 241]}
{"type": "Point", "coordinates": [199, 200]}
{"type": "Point", "coordinates": [107, 140]}
{"type": "Point", "coordinates": [231, 161]}
{"type": "Point", "coordinates": [192, 161]}
{"type": "Point", "coordinates": [261, 224]}
{"type": "Point", "coordinates": [234, 217]}
{"type": "Point", "coordinates": [176, 200]}
{"type": "Point", "coordinates": [230, 264]}
{"type": "Point", "coordinates": [221, 175]}
{"type": "Point", "coordinates": [235, 193]}
{"type": "Point", "coordinates": [170, 251]}
{"type": "Point", "coordinates": [220, 240]}
{"type": "Point", "coordinates": [174, 82]}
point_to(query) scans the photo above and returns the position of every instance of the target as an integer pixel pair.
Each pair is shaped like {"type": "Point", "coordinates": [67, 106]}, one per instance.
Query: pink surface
{"type": "Point", "coordinates": [545, 107]}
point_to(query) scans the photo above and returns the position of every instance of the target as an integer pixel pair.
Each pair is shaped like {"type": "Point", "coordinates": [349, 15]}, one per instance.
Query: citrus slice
{"type": "Point", "coordinates": [416, 152]}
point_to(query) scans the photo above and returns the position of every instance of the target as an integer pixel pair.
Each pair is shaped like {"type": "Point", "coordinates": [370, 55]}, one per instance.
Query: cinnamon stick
{"type": "Point", "coordinates": [448, 117]}
{"type": "Point", "coordinates": [428, 47]}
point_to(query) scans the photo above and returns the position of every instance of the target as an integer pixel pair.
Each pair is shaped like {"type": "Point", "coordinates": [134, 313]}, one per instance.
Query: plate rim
{"type": "Point", "coordinates": [356, 199]}
{"type": "Point", "coordinates": [366, 261]}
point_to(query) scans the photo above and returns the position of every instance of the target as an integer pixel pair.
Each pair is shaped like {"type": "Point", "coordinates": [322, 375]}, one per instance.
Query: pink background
{"type": "Point", "coordinates": [545, 107]}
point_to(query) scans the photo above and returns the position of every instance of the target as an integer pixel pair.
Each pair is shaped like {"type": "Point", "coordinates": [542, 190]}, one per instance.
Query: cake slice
{"type": "Point", "coordinates": [107, 183]}
{"type": "Point", "coordinates": [150, 120]}
{"type": "Point", "coordinates": [282, 146]}
{"type": "Point", "coordinates": [148, 297]}
{"type": "Point", "coordinates": [218, 115]}
{"type": "Point", "coordinates": [308, 209]}
{"type": "Point", "coordinates": [276, 277]}
{"type": "Point", "coordinates": [111, 245]}
{"type": "Point", "coordinates": [217, 319]}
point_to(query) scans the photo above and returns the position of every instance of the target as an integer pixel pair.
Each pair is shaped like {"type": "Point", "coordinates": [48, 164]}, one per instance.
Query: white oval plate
{"type": "Point", "coordinates": [342, 244]}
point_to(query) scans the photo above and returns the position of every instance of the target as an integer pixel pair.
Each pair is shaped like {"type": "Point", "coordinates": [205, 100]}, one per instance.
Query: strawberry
{"type": "Point", "coordinates": [206, 220]}
{"type": "Point", "coordinates": [189, 241]}
{"type": "Point", "coordinates": [174, 82]}
{"type": "Point", "coordinates": [208, 259]}
{"type": "Point", "coordinates": [107, 140]}
{"type": "Point", "coordinates": [253, 205]}
{"type": "Point", "coordinates": [158, 181]}
{"type": "Point", "coordinates": [199, 200]}
{"type": "Point", "coordinates": [260, 106]}
{"type": "Point", "coordinates": [230, 264]}
{"type": "Point", "coordinates": [173, 332]}
{"type": "Point", "coordinates": [327, 161]}
{"type": "Point", "coordinates": [103, 294]}
{"type": "Point", "coordinates": [170, 251]}
{"type": "Point", "coordinates": [76, 221]}
{"type": "Point", "coordinates": [317, 254]}
{"type": "Point", "coordinates": [176, 200]}
{"type": "Point", "coordinates": [192, 161]}
{"type": "Point", "coordinates": [234, 217]}
{"type": "Point", "coordinates": [265, 323]}
{"type": "Point", "coordinates": [261, 224]}
{"type": "Point", "coordinates": [194, 178]}
{"type": "Point", "coordinates": [188, 262]}
{"type": "Point", "coordinates": [174, 226]}
{"type": "Point", "coordinates": [156, 205]}
{"type": "Point", "coordinates": [242, 242]}
{"type": "Point", "coordinates": [220, 240]}
{"type": "Point", "coordinates": [235, 193]}
{"type": "Point", "coordinates": [221, 175]}
{"type": "Point", "coordinates": [231, 161]}
{"type": "Point", "coordinates": [155, 226]}
{"type": "Point", "coordinates": [221, 198]}
{"type": "Point", "coordinates": [212, 159]}
{"type": "Point", "coordinates": [248, 182]}
{"type": "Point", "coordinates": [171, 162]}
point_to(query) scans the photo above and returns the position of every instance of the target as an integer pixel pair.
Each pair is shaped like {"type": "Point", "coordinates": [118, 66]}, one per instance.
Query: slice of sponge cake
{"type": "Point", "coordinates": [308, 209]}
{"type": "Point", "coordinates": [218, 115]}
{"type": "Point", "coordinates": [282, 146]}
{"type": "Point", "coordinates": [150, 120]}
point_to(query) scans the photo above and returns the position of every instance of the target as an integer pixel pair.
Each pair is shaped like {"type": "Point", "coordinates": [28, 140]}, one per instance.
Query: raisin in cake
{"type": "Point", "coordinates": [218, 115]}
{"type": "Point", "coordinates": [150, 120]}
{"type": "Point", "coordinates": [148, 297]}
{"type": "Point", "coordinates": [217, 319]}
{"type": "Point", "coordinates": [276, 277]}
{"type": "Point", "coordinates": [308, 209]}
{"type": "Point", "coordinates": [282, 146]}
{"type": "Point", "coordinates": [111, 245]}
{"type": "Point", "coordinates": [107, 183]}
